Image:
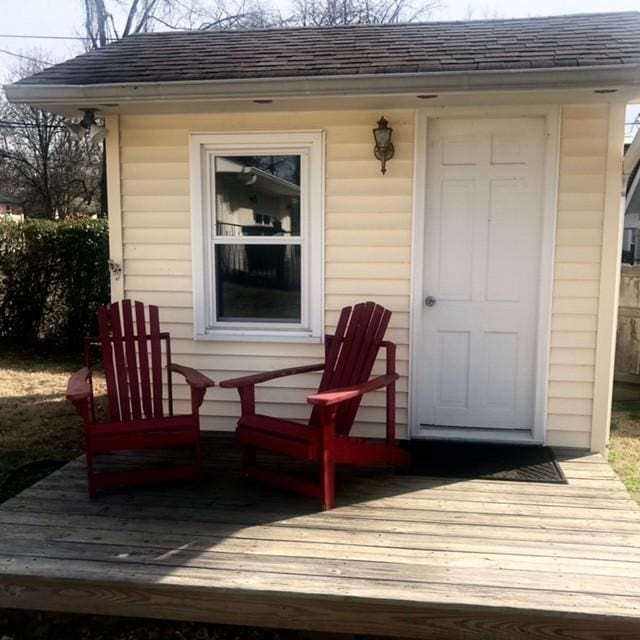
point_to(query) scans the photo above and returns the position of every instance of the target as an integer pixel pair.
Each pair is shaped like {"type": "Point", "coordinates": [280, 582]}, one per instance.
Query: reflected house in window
{"type": "Point", "coordinates": [11, 208]}
{"type": "Point", "coordinates": [258, 196]}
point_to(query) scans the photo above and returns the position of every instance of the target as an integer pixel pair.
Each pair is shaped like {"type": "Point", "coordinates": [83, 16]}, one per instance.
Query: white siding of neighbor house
{"type": "Point", "coordinates": [368, 222]}
{"type": "Point", "coordinates": [367, 251]}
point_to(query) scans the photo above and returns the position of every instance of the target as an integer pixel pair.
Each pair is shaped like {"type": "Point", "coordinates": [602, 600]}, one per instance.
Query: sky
{"type": "Point", "coordinates": [64, 18]}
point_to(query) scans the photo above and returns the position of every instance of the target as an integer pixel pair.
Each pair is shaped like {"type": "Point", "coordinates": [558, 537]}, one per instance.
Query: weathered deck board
{"type": "Point", "coordinates": [407, 556]}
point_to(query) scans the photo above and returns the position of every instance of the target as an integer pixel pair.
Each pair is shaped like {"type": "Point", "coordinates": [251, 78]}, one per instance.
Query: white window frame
{"type": "Point", "coordinates": [203, 149]}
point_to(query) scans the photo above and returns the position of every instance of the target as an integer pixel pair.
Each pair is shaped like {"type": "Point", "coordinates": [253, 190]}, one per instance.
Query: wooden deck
{"type": "Point", "coordinates": [405, 556]}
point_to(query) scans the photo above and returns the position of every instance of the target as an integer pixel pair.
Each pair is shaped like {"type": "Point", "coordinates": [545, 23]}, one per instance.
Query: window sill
{"type": "Point", "coordinates": [240, 335]}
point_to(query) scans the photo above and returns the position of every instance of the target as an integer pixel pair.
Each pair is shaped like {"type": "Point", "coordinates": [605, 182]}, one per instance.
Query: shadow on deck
{"type": "Point", "coordinates": [404, 556]}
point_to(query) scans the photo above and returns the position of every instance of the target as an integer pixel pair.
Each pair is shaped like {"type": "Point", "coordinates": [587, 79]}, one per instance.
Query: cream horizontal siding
{"type": "Point", "coordinates": [579, 233]}
{"type": "Point", "coordinates": [364, 213]}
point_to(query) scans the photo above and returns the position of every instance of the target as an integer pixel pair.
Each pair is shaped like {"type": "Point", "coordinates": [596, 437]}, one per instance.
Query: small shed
{"type": "Point", "coordinates": [247, 200]}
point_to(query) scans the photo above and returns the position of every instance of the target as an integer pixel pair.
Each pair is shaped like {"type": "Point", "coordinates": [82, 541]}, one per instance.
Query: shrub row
{"type": "Point", "coordinates": [53, 277]}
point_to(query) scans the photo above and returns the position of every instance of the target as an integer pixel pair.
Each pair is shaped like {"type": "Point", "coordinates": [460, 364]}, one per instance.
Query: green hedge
{"type": "Point", "coordinates": [53, 277]}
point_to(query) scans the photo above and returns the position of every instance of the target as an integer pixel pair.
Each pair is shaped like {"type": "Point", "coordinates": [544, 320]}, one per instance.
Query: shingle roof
{"type": "Point", "coordinates": [585, 40]}
{"type": "Point", "coordinates": [4, 199]}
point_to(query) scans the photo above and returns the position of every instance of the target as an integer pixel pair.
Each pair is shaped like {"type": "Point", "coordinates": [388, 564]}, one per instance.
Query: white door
{"type": "Point", "coordinates": [482, 255]}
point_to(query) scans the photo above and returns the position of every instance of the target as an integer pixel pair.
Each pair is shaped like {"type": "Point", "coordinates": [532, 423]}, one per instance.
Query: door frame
{"type": "Point", "coordinates": [550, 172]}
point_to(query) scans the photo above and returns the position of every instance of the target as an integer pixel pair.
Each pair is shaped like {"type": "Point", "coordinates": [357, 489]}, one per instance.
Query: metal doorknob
{"type": "Point", "coordinates": [430, 301]}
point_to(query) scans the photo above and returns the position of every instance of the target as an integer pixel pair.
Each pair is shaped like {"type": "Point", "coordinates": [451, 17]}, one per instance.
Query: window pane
{"type": "Point", "coordinates": [257, 195]}
{"type": "Point", "coordinates": [258, 283]}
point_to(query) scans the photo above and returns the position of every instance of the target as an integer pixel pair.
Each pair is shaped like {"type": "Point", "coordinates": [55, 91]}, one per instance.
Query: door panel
{"type": "Point", "coordinates": [501, 372]}
{"type": "Point", "coordinates": [481, 262]}
{"type": "Point", "coordinates": [454, 352]}
{"type": "Point", "coordinates": [503, 283]}
{"type": "Point", "coordinates": [455, 272]}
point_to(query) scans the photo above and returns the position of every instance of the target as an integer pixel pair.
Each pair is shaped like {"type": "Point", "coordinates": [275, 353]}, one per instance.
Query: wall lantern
{"type": "Point", "coordinates": [383, 150]}
{"type": "Point", "coordinates": [88, 125]}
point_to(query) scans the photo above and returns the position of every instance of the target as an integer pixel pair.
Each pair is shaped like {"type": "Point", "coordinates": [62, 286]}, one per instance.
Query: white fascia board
{"type": "Point", "coordinates": [606, 76]}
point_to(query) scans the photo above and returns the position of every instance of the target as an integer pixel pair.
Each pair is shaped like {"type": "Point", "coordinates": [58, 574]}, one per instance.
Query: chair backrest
{"type": "Point", "coordinates": [132, 360]}
{"type": "Point", "coordinates": [350, 355]}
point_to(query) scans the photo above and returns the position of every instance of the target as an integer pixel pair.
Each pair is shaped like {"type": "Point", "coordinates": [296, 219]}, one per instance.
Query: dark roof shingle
{"type": "Point", "coordinates": [585, 40]}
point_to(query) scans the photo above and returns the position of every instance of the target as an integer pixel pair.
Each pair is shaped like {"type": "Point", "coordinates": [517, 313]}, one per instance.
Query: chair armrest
{"type": "Point", "coordinates": [257, 378]}
{"type": "Point", "coordinates": [78, 387]}
{"type": "Point", "coordinates": [336, 396]}
{"type": "Point", "coordinates": [79, 394]}
{"type": "Point", "coordinates": [198, 383]}
{"type": "Point", "coordinates": [193, 378]}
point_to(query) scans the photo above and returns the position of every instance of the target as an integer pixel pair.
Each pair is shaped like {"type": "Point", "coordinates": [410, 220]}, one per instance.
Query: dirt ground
{"type": "Point", "coordinates": [20, 625]}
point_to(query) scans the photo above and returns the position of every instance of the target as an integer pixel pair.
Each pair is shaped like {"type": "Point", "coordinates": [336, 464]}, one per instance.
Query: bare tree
{"type": "Point", "coordinates": [225, 14]}
{"type": "Point", "coordinates": [100, 25]}
{"type": "Point", "coordinates": [483, 12]}
{"type": "Point", "coordinates": [42, 163]}
{"type": "Point", "coordinates": [319, 13]}
{"type": "Point", "coordinates": [108, 20]}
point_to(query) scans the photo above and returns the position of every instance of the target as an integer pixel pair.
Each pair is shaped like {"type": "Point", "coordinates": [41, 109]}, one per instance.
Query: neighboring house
{"type": "Point", "coordinates": [631, 234]}
{"type": "Point", "coordinates": [494, 235]}
{"type": "Point", "coordinates": [10, 208]}
{"type": "Point", "coordinates": [627, 360]}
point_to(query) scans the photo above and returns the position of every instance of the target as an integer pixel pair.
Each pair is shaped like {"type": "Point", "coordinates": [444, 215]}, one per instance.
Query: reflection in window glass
{"type": "Point", "coordinates": [258, 283]}
{"type": "Point", "coordinates": [257, 195]}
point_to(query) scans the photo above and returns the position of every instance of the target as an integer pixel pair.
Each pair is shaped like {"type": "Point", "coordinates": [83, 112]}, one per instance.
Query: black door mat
{"type": "Point", "coordinates": [470, 460]}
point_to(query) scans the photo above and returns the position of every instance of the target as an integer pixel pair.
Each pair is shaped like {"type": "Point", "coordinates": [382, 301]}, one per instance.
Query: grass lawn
{"type": "Point", "coordinates": [624, 447]}
{"type": "Point", "coordinates": [39, 430]}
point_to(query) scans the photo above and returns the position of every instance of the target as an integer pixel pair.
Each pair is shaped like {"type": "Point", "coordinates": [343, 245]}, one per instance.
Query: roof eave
{"type": "Point", "coordinates": [605, 76]}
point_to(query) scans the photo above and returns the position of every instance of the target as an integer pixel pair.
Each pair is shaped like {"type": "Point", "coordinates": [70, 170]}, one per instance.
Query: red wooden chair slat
{"type": "Point", "coordinates": [107, 363]}
{"type": "Point", "coordinates": [350, 355]}
{"type": "Point", "coordinates": [348, 352]}
{"type": "Point", "coordinates": [143, 358]}
{"type": "Point", "coordinates": [131, 395]}
{"type": "Point", "coordinates": [348, 410]}
{"type": "Point", "coordinates": [332, 351]}
{"type": "Point", "coordinates": [355, 360]}
{"type": "Point", "coordinates": [337, 375]}
{"type": "Point", "coordinates": [131, 359]}
{"type": "Point", "coordinates": [335, 345]}
{"type": "Point", "coordinates": [156, 360]}
{"type": "Point", "coordinates": [118, 358]}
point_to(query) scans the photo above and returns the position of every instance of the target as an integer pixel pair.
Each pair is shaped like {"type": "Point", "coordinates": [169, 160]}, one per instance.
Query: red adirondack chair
{"type": "Point", "coordinates": [132, 360]}
{"type": "Point", "coordinates": [349, 358]}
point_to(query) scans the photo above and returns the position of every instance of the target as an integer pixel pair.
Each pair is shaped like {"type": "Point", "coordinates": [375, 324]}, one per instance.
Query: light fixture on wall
{"type": "Point", "coordinates": [383, 150]}
{"type": "Point", "coordinates": [88, 125]}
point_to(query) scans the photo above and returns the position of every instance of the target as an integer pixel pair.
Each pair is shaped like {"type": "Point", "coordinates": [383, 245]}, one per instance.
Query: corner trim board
{"type": "Point", "coordinates": [114, 204]}
{"type": "Point", "coordinates": [612, 227]}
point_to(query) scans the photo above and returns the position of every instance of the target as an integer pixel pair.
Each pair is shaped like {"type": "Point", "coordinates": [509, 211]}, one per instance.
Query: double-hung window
{"type": "Point", "coordinates": [257, 234]}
